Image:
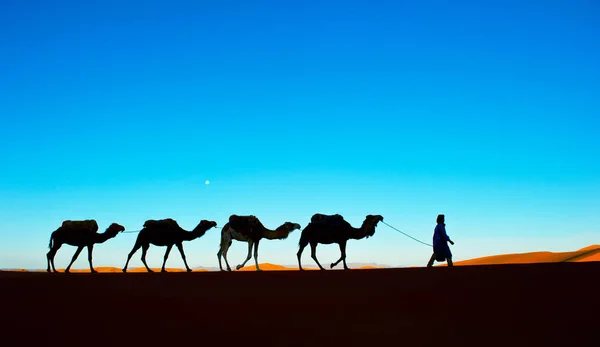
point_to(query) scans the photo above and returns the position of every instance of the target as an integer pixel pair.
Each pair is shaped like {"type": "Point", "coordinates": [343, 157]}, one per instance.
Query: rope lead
{"type": "Point", "coordinates": [426, 244]}
{"type": "Point", "coordinates": [137, 231]}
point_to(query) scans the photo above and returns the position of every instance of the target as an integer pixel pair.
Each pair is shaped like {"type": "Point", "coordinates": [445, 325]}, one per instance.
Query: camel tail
{"type": "Point", "coordinates": [50, 244]}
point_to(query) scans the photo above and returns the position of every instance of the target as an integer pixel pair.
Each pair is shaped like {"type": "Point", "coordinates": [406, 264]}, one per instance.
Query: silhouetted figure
{"type": "Point", "coordinates": [441, 250]}
{"type": "Point", "coordinates": [166, 232]}
{"type": "Point", "coordinates": [82, 233]}
{"type": "Point", "coordinates": [249, 229]}
{"type": "Point", "coordinates": [328, 229]}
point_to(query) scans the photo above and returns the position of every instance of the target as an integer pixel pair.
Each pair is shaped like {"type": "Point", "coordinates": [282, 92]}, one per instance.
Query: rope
{"type": "Point", "coordinates": [426, 244]}
{"type": "Point", "coordinates": [137, 231]}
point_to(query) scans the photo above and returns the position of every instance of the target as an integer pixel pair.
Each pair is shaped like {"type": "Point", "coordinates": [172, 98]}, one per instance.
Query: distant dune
{"type": "Point", "coordinates": [590, 253]}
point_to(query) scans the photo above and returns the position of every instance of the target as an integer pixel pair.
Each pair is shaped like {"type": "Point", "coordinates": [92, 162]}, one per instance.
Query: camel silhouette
{"type": "Point", "coordinates": [328, 229]}
{"type": "Point", "coordinates": [166, 232]}
{"type": "Point", "coordinates": [249, 229]}
{"type": "Point", "coordinates": [80, 233]}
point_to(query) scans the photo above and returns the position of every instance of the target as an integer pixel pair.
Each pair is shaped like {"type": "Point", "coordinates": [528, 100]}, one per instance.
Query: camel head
{"type": "Point", "coordinates": [286, 229]}
{"type": "Point", "coordinates": [114, 229]}
{"type": "Point", "coordinates": [370, 223]}
{"type": "Point", "coordinates": [207, 224]}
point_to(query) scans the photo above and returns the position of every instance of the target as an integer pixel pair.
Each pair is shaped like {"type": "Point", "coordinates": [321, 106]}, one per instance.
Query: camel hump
{"type": "Point", "coordinates": [243, 224]}
{"type": "Point", "coordinates": [160, 223]}
{"type": "Point", "coordinates": [87, 225]}
{"type": "Point", "coordinates": [332, 219]}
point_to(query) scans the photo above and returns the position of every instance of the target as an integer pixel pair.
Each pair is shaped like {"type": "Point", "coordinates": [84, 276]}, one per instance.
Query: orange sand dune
{"type": "Point", "coordinates": [370, 267]}
{"type": "Point", "coordinates": [590, 253]}
{"type": "Point", "coordinates": [589, 257]}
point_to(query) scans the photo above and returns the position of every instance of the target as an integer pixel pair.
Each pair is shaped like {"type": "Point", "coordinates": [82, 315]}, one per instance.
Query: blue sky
{"type": "Point", "coordinates": [119, 111]}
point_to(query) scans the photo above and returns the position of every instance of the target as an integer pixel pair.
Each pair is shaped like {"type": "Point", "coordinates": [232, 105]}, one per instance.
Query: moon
{"type": "Point", "coordinates": [207, 182]}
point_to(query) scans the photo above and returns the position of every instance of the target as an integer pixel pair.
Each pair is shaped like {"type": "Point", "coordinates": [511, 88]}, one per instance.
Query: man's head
{"type": "Point", "coordinates": [440, 219]}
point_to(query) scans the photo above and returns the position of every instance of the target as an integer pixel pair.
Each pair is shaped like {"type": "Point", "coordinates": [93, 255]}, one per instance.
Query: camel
{"type": "Point", "coordinates": [79, 233]}
{"type": "Point", "coordinates": [328, 229]}
{"type": "Point", "coordinates": [249, 229]}
{"type": "Point", "coordinates": [166, 232]}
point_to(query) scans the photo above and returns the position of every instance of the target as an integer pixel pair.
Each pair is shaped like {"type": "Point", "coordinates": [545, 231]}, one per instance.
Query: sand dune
{"type": "Point", "coordinates": [590, 253]}
{"type": "Point", "coordinates": [370, 267]}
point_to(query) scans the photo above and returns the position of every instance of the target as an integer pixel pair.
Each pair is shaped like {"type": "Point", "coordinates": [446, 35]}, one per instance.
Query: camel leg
{"type": "Point", "coordinates": [90, 250]}
{"type": "Point", "coordinates": [313, 254]}
{"type": "Point", "coordinates": [299, 255]}
{"type": "Point", "coordinates": [225, 250]}
{"type": "Point", "coordinates": [250, 243]}
{"type": "Point", "coordinates": [135, 248]}
{"type": "Point", "coordinates": [165, 258]}
{"type": "Point", "coordinates": [343, 248]}
{"type": "Point", "coordinates": [144, 250]}
{"type": "Point", "coordinates": [224, 246]}
{"type": "Point", "coordinates": [48, 260]}
{"type": "Point", "coordinates": [256, 255]}
{"type": "Point", "coordinates": [342, 256]}
{"type": "Point", "coordinates": [51, 246]}
{"type": "Point", "coordinates": [225, 255]}
{"type": "Point", "coordinates": [50, 256]}
{"type": "Point", "coordinates": [79, 249]}
{"type": "Point", "coordinates": [180, 248]}
{"type": "Point", "coordinates": [219, 254]}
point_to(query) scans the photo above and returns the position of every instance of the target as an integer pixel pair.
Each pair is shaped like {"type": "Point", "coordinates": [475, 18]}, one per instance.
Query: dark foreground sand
{"type": "Point", "coordinates": [498, 305]}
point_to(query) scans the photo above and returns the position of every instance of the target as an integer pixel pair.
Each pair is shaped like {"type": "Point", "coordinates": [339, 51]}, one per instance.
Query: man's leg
{"type": "Point", "coordinates": [431, 260]}
{"type": "Point", "coordinates": [449, 260]}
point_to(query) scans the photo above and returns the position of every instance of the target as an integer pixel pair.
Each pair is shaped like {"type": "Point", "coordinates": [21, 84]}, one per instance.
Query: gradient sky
{"type": "Point", "coordinates": [120, 110]}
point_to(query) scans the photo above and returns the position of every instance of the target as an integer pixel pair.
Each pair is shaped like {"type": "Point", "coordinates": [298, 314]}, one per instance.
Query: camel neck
{"type": "Point", "coordinates": [194, 234]}
{"type": "Point", "coordinates": [276, 234]}
{"type": "Point", "coordinates": [359, 233]}
{"type": "Point", "coordinates": [101, 238]}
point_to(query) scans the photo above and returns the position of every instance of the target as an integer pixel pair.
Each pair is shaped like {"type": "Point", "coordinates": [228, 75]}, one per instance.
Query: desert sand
{"type": "Point", "coordinates": [590, 253]}
{"type": "Point", "coordinates": [549, 304]}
